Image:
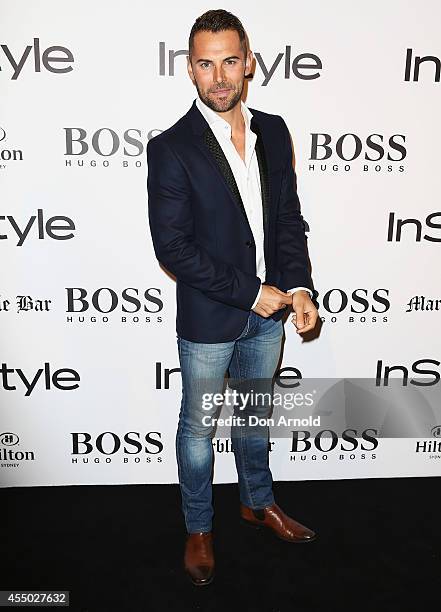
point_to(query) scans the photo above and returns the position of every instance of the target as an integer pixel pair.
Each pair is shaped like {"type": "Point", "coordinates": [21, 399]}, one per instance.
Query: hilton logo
{"type": "Point", "coordinates": [13, 456]}
{"type": "Point", "coordinates": [436, 431]}
{"type": "Point", "coordinates": [6, 153]}
{"type": "Point", "coordinates": [431, 449]}
{"type": "Point", "coordinates": [428, 446]}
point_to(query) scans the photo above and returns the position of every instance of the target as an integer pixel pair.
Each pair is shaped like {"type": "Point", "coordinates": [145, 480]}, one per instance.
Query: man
{"type": "Point", "coordinates": [225, 220]}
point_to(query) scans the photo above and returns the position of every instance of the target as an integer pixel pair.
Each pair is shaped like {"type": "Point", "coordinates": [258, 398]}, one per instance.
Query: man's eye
{"type": "Point", "coordinates": [204, 64]}
{"type": "Point", "coordinates": [231, 61]}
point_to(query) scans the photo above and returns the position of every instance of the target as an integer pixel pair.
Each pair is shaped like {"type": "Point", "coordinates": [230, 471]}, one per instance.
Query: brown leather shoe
{"type": "Point", "coordinates": [277, 521]}
{"type": "Point", "coordinates": [199, 558]}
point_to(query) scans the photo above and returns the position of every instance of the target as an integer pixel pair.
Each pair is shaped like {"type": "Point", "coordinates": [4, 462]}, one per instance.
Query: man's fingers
{"type": "Point", "coordinates": [278, 290]}
{"type": "Point", "coordinates": [304, 329]}
{"type": "Point", "coordinates": [299, 317]}
{"type": "Point", "coordinates": [287, 298]}
{"type": "Point", "coordinates": [278, 304]}
{"type": "Point", "coordinates": [261, 311]}
{"type": "Point", "coordinates": [283, 295]}
{"type": "Point", "coordinates": [309, 320]}
{"type": "Point", "coordinates": [272, 300]}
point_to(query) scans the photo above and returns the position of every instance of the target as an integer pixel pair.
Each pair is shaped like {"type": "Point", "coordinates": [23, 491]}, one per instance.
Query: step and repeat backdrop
{"type": "Point", "coordinates": [90, 384]}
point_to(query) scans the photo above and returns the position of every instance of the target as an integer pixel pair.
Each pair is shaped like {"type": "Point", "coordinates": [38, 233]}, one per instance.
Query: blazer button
{"type": "Point", "coordinates": [249, 243]}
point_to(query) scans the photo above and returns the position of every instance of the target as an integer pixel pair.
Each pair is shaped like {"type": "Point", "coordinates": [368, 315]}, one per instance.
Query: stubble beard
{"type": "Point", "coordinates": [222, 105]}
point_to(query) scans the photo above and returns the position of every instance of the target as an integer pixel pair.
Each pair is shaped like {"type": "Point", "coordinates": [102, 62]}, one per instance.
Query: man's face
{"type": "Point", "coordinates": [218, 68]}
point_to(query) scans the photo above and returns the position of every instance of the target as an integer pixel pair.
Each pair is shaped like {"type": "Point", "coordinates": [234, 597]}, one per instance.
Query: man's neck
{"type": "Point", "coordinates": [234, 117]}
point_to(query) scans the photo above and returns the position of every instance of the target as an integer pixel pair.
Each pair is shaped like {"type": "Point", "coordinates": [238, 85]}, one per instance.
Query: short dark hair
{"type": "Point", "coordinates": [217, 20]}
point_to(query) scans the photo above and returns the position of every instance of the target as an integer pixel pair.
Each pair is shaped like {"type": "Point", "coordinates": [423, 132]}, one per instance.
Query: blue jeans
{"type": "Point", "coordinates": [254, 354]}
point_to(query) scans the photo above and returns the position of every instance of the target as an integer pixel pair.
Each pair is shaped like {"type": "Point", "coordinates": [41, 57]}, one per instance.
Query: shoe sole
{"type": "Point", "coordinates": [257, 526]}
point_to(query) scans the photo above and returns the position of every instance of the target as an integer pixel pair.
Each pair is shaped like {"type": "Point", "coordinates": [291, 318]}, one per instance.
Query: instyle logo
{"type": "Point", "coordinates": [411, 229]}
{"type": "Point", "coordinates": [428, 377]}
{"type": "Point", "coordinates": [105, 146]}
{"type": "Point", "coordinates": [347, 152]}
{"type": "Point", "coordinates": [54, 59]}
{"type": "Point", "coordinates": [128, 305]}
{"type": "Point", "coordinates": [35, 227]}
{"type": "Point", "coordinates": [412, 67]}
{"type": "Point", "coordinates": [13, 457]}
{"type": "Point", "coordinates": [357, 306]}
{"type": "Point", "coordinates": [44, 379]}
{"type": "Point", "coordinates": [287, 377]}
{"type": "Point", "coordinates": [132, 447]}
{"type": "Point", "coordinates": [163, 375]}
{"type": "Point", "coordinates": [303, 66]}
{"type": "Point", "coordinates": [8, 155]}
{"type": "Point", "coordinates": [347, 445]}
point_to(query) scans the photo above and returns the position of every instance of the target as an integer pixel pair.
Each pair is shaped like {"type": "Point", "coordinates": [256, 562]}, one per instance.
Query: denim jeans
{"type": "Point", "coordinates": [254, 354]}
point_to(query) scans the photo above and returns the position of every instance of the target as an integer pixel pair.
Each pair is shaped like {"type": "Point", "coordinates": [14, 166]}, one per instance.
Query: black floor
{"type": "Point", "coordinates": [120, 548]}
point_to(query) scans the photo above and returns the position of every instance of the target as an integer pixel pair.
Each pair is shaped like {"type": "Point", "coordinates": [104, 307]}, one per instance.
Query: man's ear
{"type": "Point", "coordinates": [190, 69]}
{"type": "Point", "coordinates": [248, 62]}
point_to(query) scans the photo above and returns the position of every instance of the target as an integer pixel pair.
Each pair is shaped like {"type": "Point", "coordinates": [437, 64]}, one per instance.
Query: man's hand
{"type": "Point", "coordinates": [272, 299]}
{"type": "Point", "coordinates": [305, 314]}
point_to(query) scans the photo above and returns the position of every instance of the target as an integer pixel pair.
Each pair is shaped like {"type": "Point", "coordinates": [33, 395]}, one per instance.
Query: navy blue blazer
{"type": "Point", "coordinates": [200, 229]}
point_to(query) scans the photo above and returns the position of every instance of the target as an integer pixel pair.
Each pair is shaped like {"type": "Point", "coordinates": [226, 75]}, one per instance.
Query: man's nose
{"type": "Point", "coordinates": [218, 73]}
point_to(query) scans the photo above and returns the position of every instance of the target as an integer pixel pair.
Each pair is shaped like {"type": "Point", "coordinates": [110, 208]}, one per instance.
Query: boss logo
{"type": "Point", "coordinates": [327, 440]}
{"type": "Point", "coordinates": [109, 443]}
{"type": "Point", "coordinates": [349, 147]}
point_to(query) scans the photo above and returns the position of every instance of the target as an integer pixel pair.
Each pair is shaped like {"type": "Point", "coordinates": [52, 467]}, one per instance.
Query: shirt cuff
{"type": "Point", "coordinates": [257, 297]}
{"type": "Point", "coordinates": [297, 288]}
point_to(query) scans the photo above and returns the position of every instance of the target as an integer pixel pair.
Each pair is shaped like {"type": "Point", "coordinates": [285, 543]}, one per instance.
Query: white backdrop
{"type": "Point", "coordinates": [72, 145]}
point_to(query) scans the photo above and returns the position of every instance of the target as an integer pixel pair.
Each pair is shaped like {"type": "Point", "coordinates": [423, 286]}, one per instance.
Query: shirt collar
{"type": "Point", "coordinates": [213, 119]}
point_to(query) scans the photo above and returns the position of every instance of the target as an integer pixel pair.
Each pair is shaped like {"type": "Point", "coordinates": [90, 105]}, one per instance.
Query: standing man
{"type": "Point", "coordinates": [225, 220]}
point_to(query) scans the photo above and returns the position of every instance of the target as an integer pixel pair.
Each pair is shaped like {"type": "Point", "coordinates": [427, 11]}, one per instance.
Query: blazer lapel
{"type": "Point", "coordinates": [263, 172]}
{"type": "Point", "coordinates": [212, 149]}
{"type": "Point", "coordinates": [224, 167]}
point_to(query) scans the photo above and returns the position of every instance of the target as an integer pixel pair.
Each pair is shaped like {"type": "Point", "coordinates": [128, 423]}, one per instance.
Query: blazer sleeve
{"type": "Point", "coordinates": [292, 256]}
{"type": "Point", "coordinates": [172, 229]}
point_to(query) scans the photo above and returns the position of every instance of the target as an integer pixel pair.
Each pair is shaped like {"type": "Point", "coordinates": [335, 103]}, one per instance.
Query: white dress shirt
{"type": "Point", "coordinates": [247, 176]}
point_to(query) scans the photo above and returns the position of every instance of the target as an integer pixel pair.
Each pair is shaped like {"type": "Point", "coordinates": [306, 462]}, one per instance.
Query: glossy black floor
{"type": "Point", "coordinates": [120, 548]}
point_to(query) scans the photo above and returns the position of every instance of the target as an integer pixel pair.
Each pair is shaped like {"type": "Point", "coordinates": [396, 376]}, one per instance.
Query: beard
{"type": "Point", "coordinates": [222, 104]}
